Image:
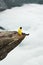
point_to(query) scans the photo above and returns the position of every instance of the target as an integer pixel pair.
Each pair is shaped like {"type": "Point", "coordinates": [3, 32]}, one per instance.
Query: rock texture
{"type": "Point", "coordinates": [7, 4]}
{"type": "Point", "coordinates": [3, 5]}
{"type": "Point", "coordinates": [8, 41]}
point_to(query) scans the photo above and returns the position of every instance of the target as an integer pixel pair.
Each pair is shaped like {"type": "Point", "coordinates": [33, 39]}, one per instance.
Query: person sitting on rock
{"type": "Point", "coordinates": [20, 30]}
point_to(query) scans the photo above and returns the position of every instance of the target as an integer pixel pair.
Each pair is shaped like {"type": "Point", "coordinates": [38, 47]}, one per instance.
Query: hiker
{"type": "Point", "coordinates": [20, 31]}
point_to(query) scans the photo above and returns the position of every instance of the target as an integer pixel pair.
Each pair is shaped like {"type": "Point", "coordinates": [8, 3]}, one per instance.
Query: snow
{"type": "Point", "coordinates": [30, 17]}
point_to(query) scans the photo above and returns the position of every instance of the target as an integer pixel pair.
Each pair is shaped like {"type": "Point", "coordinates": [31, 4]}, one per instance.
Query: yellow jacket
{"type": "Point", "coordinates": [20, 31]}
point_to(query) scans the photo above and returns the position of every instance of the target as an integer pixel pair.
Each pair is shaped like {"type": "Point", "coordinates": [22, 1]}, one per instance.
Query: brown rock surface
{"type": "Point", "coordinates": [8, 41]}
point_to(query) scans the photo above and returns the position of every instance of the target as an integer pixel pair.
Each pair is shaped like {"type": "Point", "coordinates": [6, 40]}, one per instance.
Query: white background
{"type": "Point", "coordinates": [30, 17]}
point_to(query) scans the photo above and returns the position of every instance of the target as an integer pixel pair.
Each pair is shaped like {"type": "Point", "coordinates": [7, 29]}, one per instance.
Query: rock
{"type": "Point", "coordinates": [7, 4]}
{"type": "Point", "coordinates": [3, 5]}
{"type": "Point", "coordinates": [8, 41]}
{"type": "Point", "coordinates": [2, 28]}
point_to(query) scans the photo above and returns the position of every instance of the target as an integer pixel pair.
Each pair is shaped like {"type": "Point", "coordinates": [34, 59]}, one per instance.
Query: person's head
{"type": "Point", "coordinates": [20, 27]}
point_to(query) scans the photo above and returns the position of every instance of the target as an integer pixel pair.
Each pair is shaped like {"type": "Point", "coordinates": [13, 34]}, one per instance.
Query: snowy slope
{"type": "Point", "coordinates": [30, 51]}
